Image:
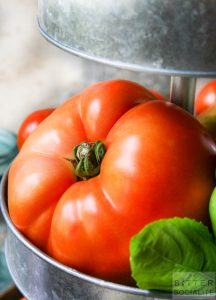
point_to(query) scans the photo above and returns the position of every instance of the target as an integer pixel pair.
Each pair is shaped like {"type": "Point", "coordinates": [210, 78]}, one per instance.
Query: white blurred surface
{"type": "Point", "coordinates": [33, 73]}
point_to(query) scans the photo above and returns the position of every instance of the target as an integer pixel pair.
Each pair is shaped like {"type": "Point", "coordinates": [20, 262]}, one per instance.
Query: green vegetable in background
{"type": "Point", "coordinates": [212, 210]}
{"type": "Point", "coordinates": [208, 119]}
{"type": "Point", "coordinates": [173, 249]}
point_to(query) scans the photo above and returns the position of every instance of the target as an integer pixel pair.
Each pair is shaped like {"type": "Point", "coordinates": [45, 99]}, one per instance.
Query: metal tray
{"type": "Point", "coordinates": [6, 282]}
{"type": "Point", "coordinates": [175, 37]}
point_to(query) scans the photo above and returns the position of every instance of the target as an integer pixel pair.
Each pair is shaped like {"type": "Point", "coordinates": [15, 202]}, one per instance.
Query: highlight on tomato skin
{"type": "Point", "coordinates": [206, 98]}
{"type": "Point", "coordinates": [30, 123]}
{"type": "Point", "coordinates": [159, 162]}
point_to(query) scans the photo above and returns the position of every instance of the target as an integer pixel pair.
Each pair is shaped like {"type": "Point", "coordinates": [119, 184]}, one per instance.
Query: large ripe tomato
{"type": "Point", "coordinates": [30, 123]}
{"type": "Point", "coordinates": [159, 163]}
{"type": "Point", "coordinates": [206, 98]}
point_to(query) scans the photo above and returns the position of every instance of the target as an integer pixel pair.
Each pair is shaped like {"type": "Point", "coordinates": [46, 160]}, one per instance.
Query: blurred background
{"type": "Point", "coordinates": [33, 73]}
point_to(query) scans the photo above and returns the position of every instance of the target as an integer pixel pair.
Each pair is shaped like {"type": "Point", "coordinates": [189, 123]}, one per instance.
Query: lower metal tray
{"type": "Point", "coordinates": [6, 282]}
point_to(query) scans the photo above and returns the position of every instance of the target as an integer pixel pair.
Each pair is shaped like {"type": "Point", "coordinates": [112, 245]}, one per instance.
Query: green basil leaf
{"type": "Point", "coordinates": [173, 249]}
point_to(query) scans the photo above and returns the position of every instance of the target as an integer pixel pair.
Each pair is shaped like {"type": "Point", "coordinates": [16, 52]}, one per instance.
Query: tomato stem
{"type": "Point", "coordinates": [87, 159]}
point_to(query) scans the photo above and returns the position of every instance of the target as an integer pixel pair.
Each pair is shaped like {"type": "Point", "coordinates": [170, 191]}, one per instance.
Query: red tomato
{"type": "Point", "coordinates": [30, 123]}
{"type": "Point", "coordinates": [206, 98]}
{"type": "Point", "coordinates": [159, 163]}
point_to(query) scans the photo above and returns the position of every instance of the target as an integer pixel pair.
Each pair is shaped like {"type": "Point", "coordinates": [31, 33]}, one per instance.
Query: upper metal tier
{"type": "Point", "coordinates": [174, 37]}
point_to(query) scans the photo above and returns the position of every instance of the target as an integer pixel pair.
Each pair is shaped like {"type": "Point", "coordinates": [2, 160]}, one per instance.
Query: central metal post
{"type": "Point", "coordinates": [182, 92]}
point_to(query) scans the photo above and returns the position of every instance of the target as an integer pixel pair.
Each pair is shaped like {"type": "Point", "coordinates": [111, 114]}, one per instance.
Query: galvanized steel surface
{"type": "Point", "coordinates": [175, 37]}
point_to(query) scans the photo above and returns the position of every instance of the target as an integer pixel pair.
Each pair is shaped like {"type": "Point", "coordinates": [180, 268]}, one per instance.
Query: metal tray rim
{"type": "Point", "coordinates": [123, 65]}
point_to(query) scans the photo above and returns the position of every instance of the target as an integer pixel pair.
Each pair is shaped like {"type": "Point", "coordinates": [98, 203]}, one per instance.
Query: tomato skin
{"type": "Point", "coordinates": [159, 163]}
{"type": "Point", "coordinates": [206, 98]}
{"type": "Point", "coordinates": [30, 123]}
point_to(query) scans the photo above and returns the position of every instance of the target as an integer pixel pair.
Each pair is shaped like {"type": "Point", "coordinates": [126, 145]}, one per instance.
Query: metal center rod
{"type": "Point", "coordinates": [182, 92]}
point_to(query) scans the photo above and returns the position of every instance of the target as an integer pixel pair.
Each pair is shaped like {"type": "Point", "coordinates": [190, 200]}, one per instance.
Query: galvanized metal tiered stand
{"type": "Point", "coordinates": [176, 38]}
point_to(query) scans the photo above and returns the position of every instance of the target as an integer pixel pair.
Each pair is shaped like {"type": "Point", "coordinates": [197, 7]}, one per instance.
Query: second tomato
{"type": "Point", "coordinates": [206, 98]}
{"type": "Point", "coordinates": [30, 123]}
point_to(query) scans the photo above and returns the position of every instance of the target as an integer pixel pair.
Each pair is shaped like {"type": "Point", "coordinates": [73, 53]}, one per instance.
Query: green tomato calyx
{"type": "Point", "coordinates": [87, 159]}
